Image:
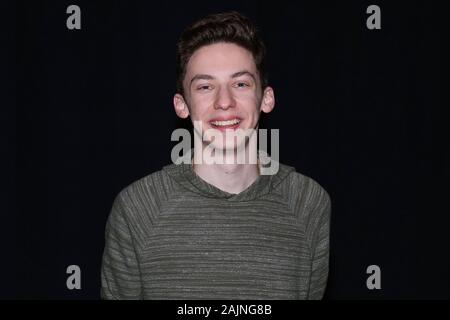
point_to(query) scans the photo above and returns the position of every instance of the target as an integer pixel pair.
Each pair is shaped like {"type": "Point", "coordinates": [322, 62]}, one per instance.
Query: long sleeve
{"type": "Point", "coordinates": [120, 274]}
{"type": "Point", "coordinates": [320, 250]}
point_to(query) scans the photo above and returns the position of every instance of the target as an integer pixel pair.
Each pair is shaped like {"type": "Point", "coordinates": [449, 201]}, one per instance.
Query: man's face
{"type": "Point", "coordinates": [222, 89]}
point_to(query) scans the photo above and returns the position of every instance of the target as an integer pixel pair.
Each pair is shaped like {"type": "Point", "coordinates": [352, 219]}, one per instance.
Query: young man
{"type": "Point", "coordinates": [220, 230]}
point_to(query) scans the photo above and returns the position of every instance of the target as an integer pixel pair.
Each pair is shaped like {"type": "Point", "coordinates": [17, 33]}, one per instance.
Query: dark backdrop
{"type": "Point", "coordinates": [358, 110]}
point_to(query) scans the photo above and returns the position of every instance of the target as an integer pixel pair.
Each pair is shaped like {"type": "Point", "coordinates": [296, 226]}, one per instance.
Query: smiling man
{"type": "Point", "coordinates": [223, 92]}
{"type": "Point", "coordinates": [220, 230]}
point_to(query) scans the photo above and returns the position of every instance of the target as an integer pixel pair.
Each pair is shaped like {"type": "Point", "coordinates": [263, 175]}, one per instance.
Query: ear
{"type": "Point", "coordinates": [268, 100]}
{"type": "Point", "coordinates": [180, 105]}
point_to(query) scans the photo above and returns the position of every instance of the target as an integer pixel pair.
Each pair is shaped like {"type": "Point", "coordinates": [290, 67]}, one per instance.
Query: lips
{"type": "Point", "coordinates": [225, 123]}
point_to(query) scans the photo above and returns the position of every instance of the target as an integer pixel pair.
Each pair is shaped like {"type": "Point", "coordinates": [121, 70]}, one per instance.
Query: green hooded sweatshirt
{"type": "Point", "coordinates": [172, 235]}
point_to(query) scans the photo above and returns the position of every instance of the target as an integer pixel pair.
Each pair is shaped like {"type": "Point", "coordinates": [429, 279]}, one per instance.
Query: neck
{"type": "Point", "coordinates": [231, 178]}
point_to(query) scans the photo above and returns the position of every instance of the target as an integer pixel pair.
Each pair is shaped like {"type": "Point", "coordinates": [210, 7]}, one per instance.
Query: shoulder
{"type": "Point", "coordinates": [311, 204]}
{"type": "Point", "coordinates": [152, 187]}
{"type": "Point", "coordinates": [309, 188]}
{"type": "Point", "coordinates": [142, 199]}
{"type": "Point", "coordinates": [306, 196]}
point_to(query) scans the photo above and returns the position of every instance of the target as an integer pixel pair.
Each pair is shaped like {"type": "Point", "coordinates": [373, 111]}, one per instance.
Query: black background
{"type": "Point", "coordinates": [358, 110]}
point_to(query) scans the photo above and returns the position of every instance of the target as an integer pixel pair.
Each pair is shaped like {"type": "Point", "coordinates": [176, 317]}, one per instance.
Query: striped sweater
{"type": "Point", "coordinates": [171, 235]}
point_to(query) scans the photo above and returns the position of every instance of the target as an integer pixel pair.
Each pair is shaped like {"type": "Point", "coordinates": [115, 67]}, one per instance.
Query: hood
{"type": "Point", "coordinates": [185, 175]}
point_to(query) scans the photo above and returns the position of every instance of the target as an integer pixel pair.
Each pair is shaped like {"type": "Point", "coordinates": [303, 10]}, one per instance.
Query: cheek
{"type": "Point", "coordinates": [249, 97]}
{"type": "Point", "coordinates": [250, 105]}
{"type": "Point", "coordinates": [199, 107]}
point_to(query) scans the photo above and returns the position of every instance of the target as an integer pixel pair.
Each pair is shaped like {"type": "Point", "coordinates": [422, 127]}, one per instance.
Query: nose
{"type": "Point", "coordinates": [224, 99]}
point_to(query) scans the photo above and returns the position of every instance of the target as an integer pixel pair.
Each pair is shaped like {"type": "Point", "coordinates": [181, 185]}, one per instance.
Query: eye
{"type": "Point", "coordinates": [241, 84]}
{"type": "Point", "coordinates": [204, 87]}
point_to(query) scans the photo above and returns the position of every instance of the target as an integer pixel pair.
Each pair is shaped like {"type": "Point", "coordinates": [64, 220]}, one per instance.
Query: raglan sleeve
{"type": "Point", "coordinates": [320, 247]}
{"type": "Point", "coordinates": [120, 273]}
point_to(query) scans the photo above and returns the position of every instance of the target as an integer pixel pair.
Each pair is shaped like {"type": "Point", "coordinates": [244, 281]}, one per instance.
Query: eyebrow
{"type": "Point", "coordinates": [243, 73]}
{"type": "Point", "coordinates": [234, 75]}
{"type": "Point", "coordinates": [201, 77]}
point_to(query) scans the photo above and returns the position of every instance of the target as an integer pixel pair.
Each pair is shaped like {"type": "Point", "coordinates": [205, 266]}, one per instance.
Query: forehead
{"type": "Point", "coordinates": [221, 57]}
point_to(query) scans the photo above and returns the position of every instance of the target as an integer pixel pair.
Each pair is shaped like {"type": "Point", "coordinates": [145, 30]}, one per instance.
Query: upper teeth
{"type": "Point", "coordinates": [226, 123]}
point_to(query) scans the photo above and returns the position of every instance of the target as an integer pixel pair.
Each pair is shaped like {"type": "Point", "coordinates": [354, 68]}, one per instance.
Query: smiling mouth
{"type": "Point", "coordinates": [226, 124]}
